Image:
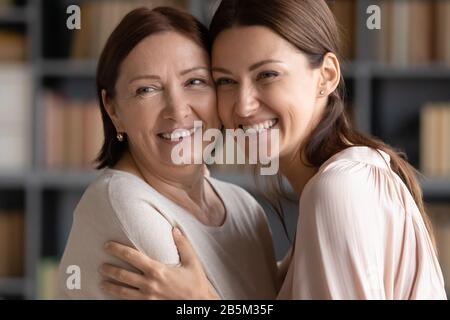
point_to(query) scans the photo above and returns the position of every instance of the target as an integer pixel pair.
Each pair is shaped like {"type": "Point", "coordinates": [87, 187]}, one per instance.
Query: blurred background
{"type": "Point", "coordinates": [398, 89]}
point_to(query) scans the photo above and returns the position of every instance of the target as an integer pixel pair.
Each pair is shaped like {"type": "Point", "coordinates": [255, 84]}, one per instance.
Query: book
{"type": "Point", "coordinates": [13, 46]}
{"type": "Point", "coordinates": [47, 278]}
{"type": "Point", "coordinates": [426, 138]}
{"type": "Point", "coordinates": [99, 20]}
{"type": "Point", "coordinates": [414, 32]}
{"type": "Point", "coordinates": [12, 244]}
{"type": "Point", "coordinates": [440, 218]}
{"type": "Point", "coordinates": [445, 161]}
{"type": "Point", "coordinates": [93, 134]}
{"type": "Point", "coordinates": [73, 132]}
{"type": "Point", "coordinates": [5, 4]}
{"type": "Point", "coordinates": [435, 139]}
{"type": "Point", "coordinates": [53, 127]}
{"type": "Point", "coordinates": [15, 119]}
{"type": "Point", "coordinates": [443, 31]}
{"type": "Point", "coordinates": [386, 34]}
{"type": "Point", "coordinates": [345, 13]}
{"type": "Point", "coordinates": [420, 33]}
{"type": "Point", "coordinates": [400, 28]}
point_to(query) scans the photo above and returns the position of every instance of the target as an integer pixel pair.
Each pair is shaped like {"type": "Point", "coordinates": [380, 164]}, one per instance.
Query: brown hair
{"type": "Point", "coordinates": [311, 27]}
{"type": "Point", "coordinates": [134, 27]}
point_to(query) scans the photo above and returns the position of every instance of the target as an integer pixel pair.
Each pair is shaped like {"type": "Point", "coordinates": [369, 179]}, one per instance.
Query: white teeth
{"type": "Point", "coordinates": [261, 126]}
{"type": "Point", "coordinates": [178, 133]}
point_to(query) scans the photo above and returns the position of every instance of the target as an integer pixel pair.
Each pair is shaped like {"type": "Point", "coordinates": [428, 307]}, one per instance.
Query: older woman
{"type": "Point", "coordinates": [153, 82]}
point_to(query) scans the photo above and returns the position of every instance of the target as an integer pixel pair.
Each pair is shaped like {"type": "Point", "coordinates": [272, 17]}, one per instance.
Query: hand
{"type": "Point", "coordinates": [156, 280]}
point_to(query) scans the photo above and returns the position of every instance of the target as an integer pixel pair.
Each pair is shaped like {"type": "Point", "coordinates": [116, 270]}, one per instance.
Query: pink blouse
{"type": "Point", "coordinates": [360, 235]}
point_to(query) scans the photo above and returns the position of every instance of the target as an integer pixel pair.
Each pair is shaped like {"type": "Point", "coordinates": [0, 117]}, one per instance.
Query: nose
{"type": "Point", "coordinates": [177, 107]}
{"type": "Point", "coordinates": [246, 103]}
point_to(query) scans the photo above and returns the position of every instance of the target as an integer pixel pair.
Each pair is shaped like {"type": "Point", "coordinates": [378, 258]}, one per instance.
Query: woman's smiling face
{"type": "Point", "coordinates": [266, 83]}
{"type": "Point", "coordinates": [164, 84]}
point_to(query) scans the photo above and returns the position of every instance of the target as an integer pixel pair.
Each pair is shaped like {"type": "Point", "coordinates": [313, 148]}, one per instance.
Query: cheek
{"type": "Point", "coordinates": [300, 97]}
{"type": "Point", "coordinates": [205, 106]}
{"type": "Point", "coordinates": [140, 117]}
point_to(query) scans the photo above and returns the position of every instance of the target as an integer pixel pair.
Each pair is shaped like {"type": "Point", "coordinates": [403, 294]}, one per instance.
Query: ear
{"type": "Point", "coordinates": [112, 112]}
{"type": "Point", "coordinates": [330, 75]}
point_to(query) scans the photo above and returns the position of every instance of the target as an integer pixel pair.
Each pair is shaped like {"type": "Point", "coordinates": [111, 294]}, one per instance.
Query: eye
{"type": "Point", "coordinates": [145, 90]}
{"type": "Point", "coordinates": [196, 82]}
{"type": "Point", "coordinates": [224, 81]}
{"type": "Point", "coordinates": [267, 75]}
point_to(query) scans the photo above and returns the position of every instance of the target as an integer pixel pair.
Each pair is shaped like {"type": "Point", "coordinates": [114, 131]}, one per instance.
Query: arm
{"type": "Point", "coordinates": [156, 280]}
{"type": "Point", "coordinates": [339, 247]}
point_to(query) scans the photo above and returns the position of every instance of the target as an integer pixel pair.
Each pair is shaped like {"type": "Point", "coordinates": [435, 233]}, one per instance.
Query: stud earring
{"type": "Point", "coordinates": [120, 136]}
{"type": "Point", "coordinates": [322, 92]}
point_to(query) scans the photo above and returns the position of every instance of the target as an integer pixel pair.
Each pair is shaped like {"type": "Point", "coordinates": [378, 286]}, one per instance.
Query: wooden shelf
{"type": "Point", "coordinates": [12, 286]}
{"type": "Point", "coordinates": [64, 179]}
{"type": "Point", "coordinates": [13, 15]}
{"type": "Point", "coordinates": [13, 180]}
{"type": "Point", "coordinates": [436, 187]}
{"type": "Point", "coordinates": [435, 71]}
{"type": "Point", "coordinates": [68, 68]}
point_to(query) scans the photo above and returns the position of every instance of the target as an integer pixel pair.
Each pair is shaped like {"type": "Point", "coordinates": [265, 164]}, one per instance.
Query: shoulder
{"type": "Point", "coordinates": [121, 198]}
{"type": "Point", "coordinates": [354, 179]}
{"type": "Point", "coordinates": [354, 169]}
{"type": "Point", "coordinates": [110, 183]}
{"type": "Point", "coordinates": [118, 189]}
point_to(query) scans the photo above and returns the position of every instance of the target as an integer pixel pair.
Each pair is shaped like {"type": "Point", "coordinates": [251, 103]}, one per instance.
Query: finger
{"type": "Point", "coordinates": [132, 256]}
{"type": "Point", "coordinates": [185, 249]}
{"type": "Point", "coordinates": [121, 292]}
{"type": "Point", "coordinates": [122, 275]}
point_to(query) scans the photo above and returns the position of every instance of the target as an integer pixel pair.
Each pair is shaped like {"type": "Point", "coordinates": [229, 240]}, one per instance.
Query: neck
{"type": "Point", "coordinates": [185, 186]}
{"type": "Point", "coordinates": [296, 171]}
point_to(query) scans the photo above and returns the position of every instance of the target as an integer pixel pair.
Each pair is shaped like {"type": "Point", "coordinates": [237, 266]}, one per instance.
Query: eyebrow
{"type": "Point", "coordinates": [251, 68]}
{"type": "Point", "coordinates": [145, 76]}
{"type": "Point", "coordinates": [182, 73]}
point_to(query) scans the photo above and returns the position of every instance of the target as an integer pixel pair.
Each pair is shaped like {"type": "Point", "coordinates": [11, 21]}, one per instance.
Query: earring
{"type": "Point", "coordinates": [120, 136]}
{"type": "Point", "coordinates": [322, 92]}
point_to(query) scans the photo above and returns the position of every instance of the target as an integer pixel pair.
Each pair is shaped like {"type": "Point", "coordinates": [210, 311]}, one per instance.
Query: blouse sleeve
{"type": "Point", "coordinates": [339, 248]}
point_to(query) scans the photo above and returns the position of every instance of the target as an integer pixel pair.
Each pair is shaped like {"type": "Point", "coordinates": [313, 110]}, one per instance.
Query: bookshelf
{"type": "Point", "coordinates": [382, 98]}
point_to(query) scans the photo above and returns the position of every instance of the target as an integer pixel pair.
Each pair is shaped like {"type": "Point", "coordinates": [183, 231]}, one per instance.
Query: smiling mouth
{"type": "Point", "coordinates": [261, 126]}
{"type": "Point", "coordinates": [178, 134]}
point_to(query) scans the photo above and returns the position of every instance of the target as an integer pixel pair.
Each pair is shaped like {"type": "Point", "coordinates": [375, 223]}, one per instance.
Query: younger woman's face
{"type": "Point", "coordinates": [266, 83]}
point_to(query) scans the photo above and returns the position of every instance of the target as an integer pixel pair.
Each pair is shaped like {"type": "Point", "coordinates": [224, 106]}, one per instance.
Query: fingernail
{"type": "Point", "coordinates": [107, 245]}
{"type": "Point", "coordinates": [176, 232]}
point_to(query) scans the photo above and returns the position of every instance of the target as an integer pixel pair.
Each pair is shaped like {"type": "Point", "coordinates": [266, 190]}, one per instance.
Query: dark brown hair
{"type": "Point", "coordinates": [311, 27]}
{"type": "Point", "coordinates": [134, 27]}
